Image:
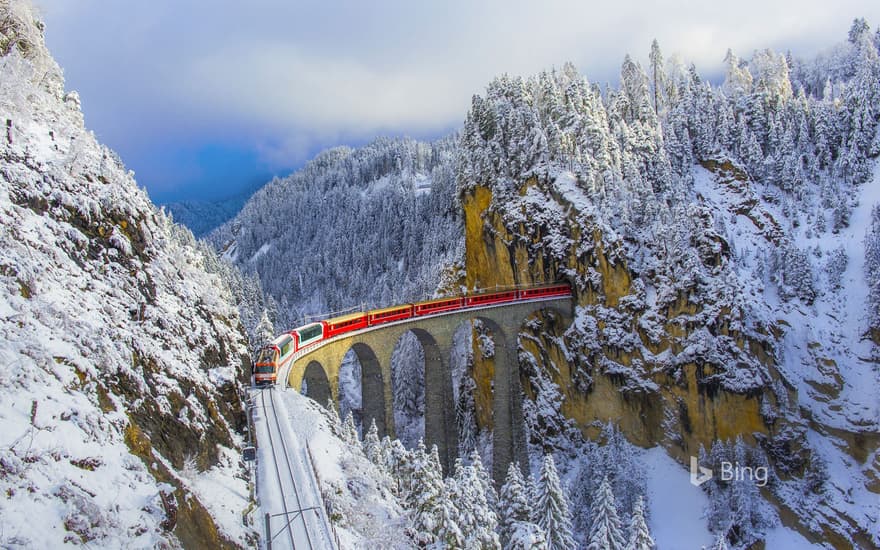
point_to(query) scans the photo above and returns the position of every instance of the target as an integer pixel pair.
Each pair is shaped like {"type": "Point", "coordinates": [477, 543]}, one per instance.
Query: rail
{"type": "Point", "coordinates": [298, 513]}
{"type": "Point", "coordinates": [321, 495]}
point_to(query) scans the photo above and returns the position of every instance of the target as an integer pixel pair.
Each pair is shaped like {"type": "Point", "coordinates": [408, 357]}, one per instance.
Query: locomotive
{"type": "Point", "coordinates": [281, 351]}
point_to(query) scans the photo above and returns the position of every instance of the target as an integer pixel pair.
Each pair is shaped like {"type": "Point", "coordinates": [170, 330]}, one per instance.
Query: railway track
{"type": "Point", "coordinates": [293, 517]}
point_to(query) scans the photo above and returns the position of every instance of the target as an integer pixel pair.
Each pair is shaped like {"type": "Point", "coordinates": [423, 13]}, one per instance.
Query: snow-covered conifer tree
{"type": "Point", "coordinates": [372, 446]}
{"type": "Point", "coordinates": [513, 503]}
{"type": "Point", "coordinates": [476, 518]}
{"type": "Point", "coordinates": [658, 76]}
{"type": "Point", "coordinates": [335, 422]}
{"type": "Point", "coordinates": [872, 268]}
{"type": "Point", "coordinates": [550, 510]}
{"type": "Point", "coordinates": [639, 534]}
{"type": "Point", "coordinates": [485, 480]}
{"type": "Point", "coordinates": [424, 495]}
{"type": "Point", "coordinates": [449, 534]}
{"type": "Point", "coordinates": [265, 331]}
{"type": "Point", "coordinates": [720, 543]}
{"type": "Point", "coordinates": [350, 431]}
{"type": "Point", "coordinates": [525, 535]}
{"type": "Point", "coordinates": [605, 533]}
{"type": "Point", "coordinates": [465, 415]}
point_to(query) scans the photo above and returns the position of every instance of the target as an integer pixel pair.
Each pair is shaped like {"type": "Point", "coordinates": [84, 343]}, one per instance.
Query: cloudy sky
{"type": "Point", "coordinates": [204, 99]}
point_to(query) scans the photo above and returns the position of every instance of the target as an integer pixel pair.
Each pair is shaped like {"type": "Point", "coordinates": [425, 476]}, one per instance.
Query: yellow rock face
{"type": "Point", "coordinates": [189, 521]}
{"type": "Point", "coordinates": [681, 416]}
{"type": "Point", "coordinates": [484, 373]}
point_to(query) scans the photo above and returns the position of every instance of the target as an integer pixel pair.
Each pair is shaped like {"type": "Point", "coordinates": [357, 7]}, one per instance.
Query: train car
{"type": "Point", "coordinates": [308, 334]}
{"type": "Point", "coordinates": [272, 357]}
{"type": "Point", "coordinates": [490, 298]}
{"type": "Point", "coordinates": [346, 323]}
{"type": "Point", "coordinates": [389, 314]}
{"type": "Point", "coordinates": [545, 291]}
{"type": "Point", "coordinates": [436, 306]}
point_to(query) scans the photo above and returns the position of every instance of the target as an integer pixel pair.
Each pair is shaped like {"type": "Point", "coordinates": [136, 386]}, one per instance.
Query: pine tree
{"type": "Point", "coordinates": [658, 76]}
{"type": "Point", "coordinates": [265, 331]}
{"type": "Point", "coordinates": [486, 483]}
{"type": "Point", "coordinates": [514, 502]}
{"type": "Point", "coordinates": [426, 498]}
{"type": "Point", "coordinates": [550, 512]}
{"type": "Point", "coordinates": [465, 415]}
{"type": "Point", "coordinates": [372, 447]}
{"type": "Point", "coordinates": [398, 463]}
{"type": "Point", "coordinates": [525, 535]}
{"type": "Point", "coordinates": [335, 422]}
{"type": "Point", "coordinates": [738, 79]}
{"type": "Point", "coordinates": [448, 531]}
{"type": "Point", "coordinates": [749, 510]}
{"type": "Point", "coordinates": [434, 456]}
{"type": "Point", "coordinates": [872, 267]}
{"type": "Point", "coordinates": [639, 534]}
{"type": "Point", "coordinates": [605, 533]}
{"type": "Point", "coordinates": [350, 431]}
{"type": "Point", "coordinates": [476, 518]}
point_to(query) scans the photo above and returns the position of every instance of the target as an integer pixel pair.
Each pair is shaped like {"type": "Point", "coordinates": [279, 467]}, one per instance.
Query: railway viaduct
{"type": "Point", "coordinates": [319, 367]}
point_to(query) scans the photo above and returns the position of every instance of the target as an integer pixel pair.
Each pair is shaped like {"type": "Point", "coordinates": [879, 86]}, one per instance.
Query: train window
{"type": "Point", "coordinates": [267, 355]}
{"type": "Point", "coordinates": [309, 332]}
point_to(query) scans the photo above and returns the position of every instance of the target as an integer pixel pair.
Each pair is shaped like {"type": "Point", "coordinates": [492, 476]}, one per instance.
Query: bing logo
{"type": "Point", "coordinates": [699, 474]}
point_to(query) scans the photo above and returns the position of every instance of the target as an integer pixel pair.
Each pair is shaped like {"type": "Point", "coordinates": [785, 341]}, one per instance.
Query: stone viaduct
{"type": "Point", "coordinates": [319, 366]}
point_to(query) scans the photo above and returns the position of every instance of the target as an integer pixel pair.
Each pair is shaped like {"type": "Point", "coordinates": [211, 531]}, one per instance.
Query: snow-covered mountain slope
{"type": "Point", "coordinates": [375, 225]}
{"type": "Point", "coordinates": [722, 245]}
{"type": "Point", "coordinates": [826, 350]}
{"type": "Point", "coordinates": [121, 354]}
{"type": "Point", "coordinates": [203, 216]}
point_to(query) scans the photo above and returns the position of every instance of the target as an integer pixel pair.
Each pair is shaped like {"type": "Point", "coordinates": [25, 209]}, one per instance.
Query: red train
{"type": "Point", "coordinates": [281, 351]}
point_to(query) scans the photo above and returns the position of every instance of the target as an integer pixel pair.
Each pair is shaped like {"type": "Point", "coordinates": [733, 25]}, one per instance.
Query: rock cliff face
{"type": "Point", "coordinates": [120, 393]}
{"type": "Point", "coordinates": [718, 242]}
{"type": "Point", "coordinates": [681, 410]}
{"type": "Point", "coordinates": [644, 375]}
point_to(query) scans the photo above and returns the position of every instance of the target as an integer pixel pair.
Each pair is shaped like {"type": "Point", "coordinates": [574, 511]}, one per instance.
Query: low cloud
{"type": "Point", "coordinates": [292, 76]}
{"type": "Point", "coordinates": [280, 85]}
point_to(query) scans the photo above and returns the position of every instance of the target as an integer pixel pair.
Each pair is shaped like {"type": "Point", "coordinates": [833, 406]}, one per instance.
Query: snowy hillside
{"type": "Point", "coordinates": [203, 216]}
{"type": "Point", "coordinates": [375, 225]}
{"type": "Point", "coordinates": [120, 414]}
{"type": "Point", "coordinates": [722, 243]}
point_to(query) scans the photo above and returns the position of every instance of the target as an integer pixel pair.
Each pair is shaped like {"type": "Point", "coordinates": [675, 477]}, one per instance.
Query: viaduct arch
{"type": "Point", "coordinates": [318, 368]}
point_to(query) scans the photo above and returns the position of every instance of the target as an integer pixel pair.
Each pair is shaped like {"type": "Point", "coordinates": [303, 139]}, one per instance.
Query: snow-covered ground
{"type": "Point", "coordinates": [676, 507]}
{"type": "Point", "coordinates": [286, 486]}
{"type": "Point", "coordinates": [363, 512]}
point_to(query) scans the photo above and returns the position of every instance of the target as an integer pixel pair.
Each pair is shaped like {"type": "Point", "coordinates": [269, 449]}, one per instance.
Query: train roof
{"type": "Point", "coordinates": [439, 300]}
{"type": "Point", "coordinates": [389, 309]}
{"type": "Point", "coordinates": [306, 326]}
{"type": "Point", "coordinates": [344, 318]}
